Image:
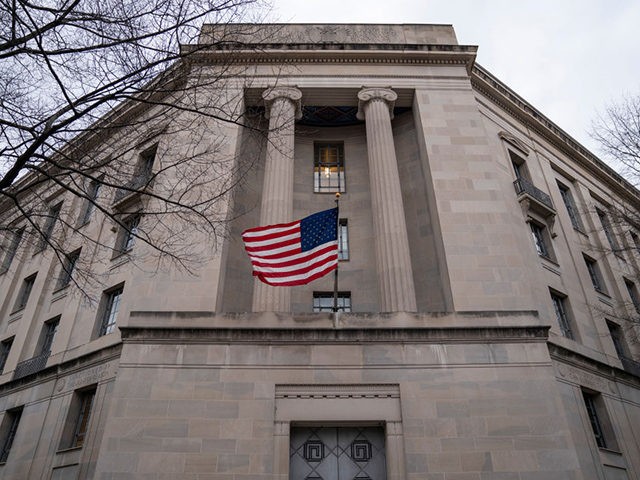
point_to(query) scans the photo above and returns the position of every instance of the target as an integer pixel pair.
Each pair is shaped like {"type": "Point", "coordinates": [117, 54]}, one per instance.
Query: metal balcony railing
{"type": "Point", "coordinates": [33, 365]}
{"type": "Point", "coordinates": [525, 187]}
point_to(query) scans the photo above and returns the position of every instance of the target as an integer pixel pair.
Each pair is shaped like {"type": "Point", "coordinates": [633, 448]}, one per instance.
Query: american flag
{"type": "Point", "coordinates": [294, 253]}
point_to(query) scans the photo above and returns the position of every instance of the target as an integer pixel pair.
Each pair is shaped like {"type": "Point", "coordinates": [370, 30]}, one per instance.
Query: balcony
{"type": "Point", "coordinates": [33, 365]}
{"type": "Point", "coordinates": [534, 199]}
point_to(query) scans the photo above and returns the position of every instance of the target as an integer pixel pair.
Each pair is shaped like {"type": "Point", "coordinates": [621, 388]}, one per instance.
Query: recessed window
{"type": "Point", "coordinates": [12, 244]}
{"type": "Point", "coordinates": [636, 241]}
{"type": "Point", "coordinates": [128, 234]}
{"type": "Point", "coordinates": [49, 224]}
{"type": "Point", "coordinates": [608, 230]}
{"type": "Point", "coordinates": [519, 166]}
{"type": "Point", "coordinates": [109, 310]}
{"type": "Point", "coordinates": [570, 205]}
{"type": "Point", "coordinates": [93, 190]}
{"type": "Point", "coordinates": [343, 239]}
{"type": "Point", "coordinates": [49, 330]}
{"type": "Point", "coordinates": [25, 292]}
{"type": "Point", "coordinates": [77, 424]}
{"type": "Point", "coordinates": [8, 430]}
{"type": "Point", "coordinates": [599, 420]}
{"type": "Point", "coordinates": [594, 274]}
{"type": "Point", "coordinates": [562, 315]}
{"type": "Point", "coordinates": [633, 294]}
{"type": "Point", "coordinates": [541, 239]}
{"type": "Point", "coordinates": [67, 269]}
{"type": "Point", "coordinates": [324, 301]}
{"type": "Point", "coordinates": [617, 337]}
{"type": "Point", "coordinates": [328, 169]}
{"type": "Point", "coordinates": [5, 349]}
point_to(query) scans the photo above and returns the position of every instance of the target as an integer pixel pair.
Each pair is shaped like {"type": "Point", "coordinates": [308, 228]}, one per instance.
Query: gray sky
{"type": "Point", "coordinates": [568, 58]}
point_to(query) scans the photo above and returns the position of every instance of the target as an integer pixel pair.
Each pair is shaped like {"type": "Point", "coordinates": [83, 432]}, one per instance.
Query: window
{"type": "Point", "coordinates": [48, 333]}
{"type": "Point", "coordinates": [77, 424]}
{"type": "Point", "coordinates": [8, 431]}
{"type": "Point", "coordinates": [323, 301]}
{"type": "Point", "coordinates": [13, 242]}
{"type": "Point", "coordinates": [89, 206]}
{"type": "Point", "coordinates": [594, 274]}
{"type": "Point", "coordinates": [328, 169]}
{"type": "Point", "coordinates": [110, 307]}
{"type": "Point", "coordinates": [67, 269]}
{"type": "Point", "coordinates": [636, 241]}
{"type": "Point", "coordinates": [343, 239]}
{"type": "Point", "coordinates": [608, 230]}
{"type": "Point", "coordinates": [541, 239]}
{"type": "Point", "coordinates": [47, 228]}
{"type": "Point", "coordinates": [5, 349]}
{"type": "Point", "coordinates": [560, 308]}
{"type": "Point", "coordinates": [25, 291]}
{"type": "Point", "coordinates": [617, 337]}
{"type": "Point", "coordinates": [519, 166]}
{"type": "Point", "coordinates": [128, 234]}
{"type": "Point", "coordinates": [633, 293]}
{"type": "Point", "coordinates": [567, 198]}
{"type": "Point", "coordinates": [599, 420]}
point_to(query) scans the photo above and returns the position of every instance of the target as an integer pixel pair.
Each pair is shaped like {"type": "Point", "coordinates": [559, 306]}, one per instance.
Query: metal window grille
{"type": "Point", "coordinates": [589, 401]}
{"type": "Point", "coordinates": [539, 240]}
{"type": "Point", "coordinates": [323, 301]}
{"type": "Point", "coordinates": [561, 316]}
{"type": "Point", "coordinates": [343, 239]}
{"type": "Point", "coordinates": [82, 420]}
{"type": "Point", "coordinates": [328, 171]}
{"type": "Point", "coordinates": [14, 418]}
{"type": "Point", "coordinates": [570, 205]}
{"type": "Point", "coordinates": [110, 313]}
{"type": "Point", "coordinates": [594, 274]}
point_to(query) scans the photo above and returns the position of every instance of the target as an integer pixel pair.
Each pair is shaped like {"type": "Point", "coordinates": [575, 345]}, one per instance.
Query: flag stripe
{"type": "Point", "coordinates": [276, 251]}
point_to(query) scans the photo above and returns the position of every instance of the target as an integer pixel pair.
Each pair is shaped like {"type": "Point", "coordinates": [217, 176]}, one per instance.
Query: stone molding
{"type": "Point", "coordinates": [338, 391]}
{"type": "Point", "coordinates": [532, 334]}
{"type": "Point", "coordinates": [375, 93]}
{"type": "Point", "coordinates": [513, 141]}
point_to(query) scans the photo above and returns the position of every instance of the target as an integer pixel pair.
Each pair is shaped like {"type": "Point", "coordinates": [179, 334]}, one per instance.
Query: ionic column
{"type": "Point", "coordinates": [282, 108]}
{"type": "Point", "coordinates": [395, 276]}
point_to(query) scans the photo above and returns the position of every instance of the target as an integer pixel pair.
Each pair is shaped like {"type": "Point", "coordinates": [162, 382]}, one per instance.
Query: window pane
{"type": "Point", "coordinates": [328, 172]}
{"type": "Point", "coordinates": [343, 240]}
{"type": "Point", "coordinates": [110, 314]}
{"type": "Point", "coordinates": [323, 302]}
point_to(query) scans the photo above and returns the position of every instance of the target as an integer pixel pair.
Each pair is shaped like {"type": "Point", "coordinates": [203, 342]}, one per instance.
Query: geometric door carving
{"type": "Point", "coordinates": [337, 453]}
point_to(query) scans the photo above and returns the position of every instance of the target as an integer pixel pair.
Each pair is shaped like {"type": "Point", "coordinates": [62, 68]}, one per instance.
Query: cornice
{"type": "Point", "coordinates": [496, 91]}
{"type": "Point", "coordinates": [144, 335]}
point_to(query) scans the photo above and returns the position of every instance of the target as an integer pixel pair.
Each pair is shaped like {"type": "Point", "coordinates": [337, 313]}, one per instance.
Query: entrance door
{"type": "Point", "coordinates": [337, 453]}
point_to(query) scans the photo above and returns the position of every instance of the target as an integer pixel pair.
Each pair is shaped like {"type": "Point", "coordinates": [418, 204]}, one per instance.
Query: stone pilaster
{"type": "Point", "coordinates": [395, 276]}
{"type": "Point", "coordinates": [282, 108]}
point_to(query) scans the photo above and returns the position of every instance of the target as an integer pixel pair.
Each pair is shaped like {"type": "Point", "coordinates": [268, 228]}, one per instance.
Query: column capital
{"type": "Point", "coordinates": [373, 93]}
{"type": "Point", "coordinates": [290, 93]}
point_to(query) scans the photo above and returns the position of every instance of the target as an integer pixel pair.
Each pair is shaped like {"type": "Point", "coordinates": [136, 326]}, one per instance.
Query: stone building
{"type": "Point", "coordinates": [488, 276]}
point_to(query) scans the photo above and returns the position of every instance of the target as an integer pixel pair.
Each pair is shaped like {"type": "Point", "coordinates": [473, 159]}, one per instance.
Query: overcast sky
{"type": "Point", "coordinates": [568, 58]}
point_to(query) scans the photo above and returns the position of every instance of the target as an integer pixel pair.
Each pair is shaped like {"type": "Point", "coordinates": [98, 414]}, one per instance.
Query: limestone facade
{"type": "Point", "coordinates": [489, 334]}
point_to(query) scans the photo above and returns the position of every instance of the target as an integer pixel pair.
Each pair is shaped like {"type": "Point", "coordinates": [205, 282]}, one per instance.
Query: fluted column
{"type": "Point", "coordinates": [282, 108]}
{"type": "Point", "coordinates": [395, 276]}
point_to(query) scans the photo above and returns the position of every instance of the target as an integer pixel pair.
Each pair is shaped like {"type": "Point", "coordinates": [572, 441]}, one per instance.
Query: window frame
{"type": "Point", "coordinates": [632, 290]}
{"type": "Point", "coordinates": [344, 302]}
{"type": "Point", "coordinates": [53, 215]}
{"type": "Point", "coordinates": [67, 268]}
{"type": "Point", "coordinates": [76, 427]}
{"type": "Point", "coordinates": [89, 206]}
{"type": "Point", "coordinates": [607, 228]}
{"type": "Point", "coordinates": [25, 292]}
{"type": "Point", "coordinates": [13, 244]}
{"type": "Point", "coordinates": [617, 338]}
{"type": "Point", "coordinates": [599, 419]}
{"type": "Point", "coordinates": [319, 165]}
{"type": "Point", "coordinates": [9, 429]}
{"type": "Point", "coordinates": [597, 280]}
{"type": "Point", "coordinates": [47, 335]}
{"type": "Point", "coordinates": [541, 239]}
{"type": "Point", "coordinates": [343, 240]}
{"type": "Point", "coordinates": [5, 350]}
{"type": "Point", "coordinates": [127, 234]}
{"type": "Point", "coordinates": [107, 316]}
{"type": "Point", "coordinates": [570, 205]}
{"type": "Point", "coordinates": [562, 314]}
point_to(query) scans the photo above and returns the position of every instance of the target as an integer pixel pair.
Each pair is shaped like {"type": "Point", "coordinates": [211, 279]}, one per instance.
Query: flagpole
{"type": "Point", "coordinates": [335, 275]}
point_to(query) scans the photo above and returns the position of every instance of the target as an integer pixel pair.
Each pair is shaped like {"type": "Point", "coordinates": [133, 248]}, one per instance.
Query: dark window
{"type": "Point", "coordinates": [76, 426]}
{"type": "Point", "coordinates": [5, 349]}
{"type": "Point", "coordinates": [343, 239]}
{"type": "Point", "coordinates": [111, 305]}
{"type": "Point", "coordinates": [89, 206]}
{"type": "Point", "coordinates": [47, 228]}
{"type": "Point", "coordinates": [48, 333]}
{"type": "Point", "coordinates": [519, 166]}
{"type": "Point", "coordinates": [636, 241]}
{"type": "Point", "coordinates": [25, 291]}
{"type": "Point", "coordinates": [567, 198]}
{"type": "Point", "coordinates": [633, 293]}
{"type": "Point", "coordinates": [599, 419]}
{"type": "Point", "coordinates": [9, 428]}
{"type": "Point", "coordinates": [594, 419]}
{"type": "Point", "coordinates": [540, 239]}
{"type": "Point", "coordinates": [608, 230]}
{"type": "Point", "coordinates": [560, 308]}
{"type": "Point", "coordinates": [145, 165]}
{"type": "Point", "coordinates": [66, 271]}
{"type": "Point", "coordinates": [128, 234]}
{"type": "Point", "coordinates": [13, 242]}
{"type": "Point", "coordinates": [594, 274]}
{"type": "Point", "coordinates": [328, 170]}
{"type": "Point", "coordinates": [617, 337]}
{"type": "Point", "coordinates": [323, 301]}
